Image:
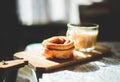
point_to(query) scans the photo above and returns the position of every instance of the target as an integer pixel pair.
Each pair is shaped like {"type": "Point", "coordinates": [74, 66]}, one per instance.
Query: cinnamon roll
{"type": "Point", "coordinates": [58, 47]}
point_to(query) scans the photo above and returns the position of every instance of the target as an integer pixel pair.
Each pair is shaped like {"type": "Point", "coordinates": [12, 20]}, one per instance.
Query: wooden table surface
{"type": "Point", "coordinates": [106, 69]}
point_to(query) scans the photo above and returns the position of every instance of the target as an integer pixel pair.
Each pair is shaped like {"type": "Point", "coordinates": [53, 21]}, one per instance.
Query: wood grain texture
{"type": "Point", "coordinates": [37, 60]}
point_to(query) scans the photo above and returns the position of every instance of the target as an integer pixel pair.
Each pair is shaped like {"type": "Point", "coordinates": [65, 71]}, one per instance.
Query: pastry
{"type": "Point", "coordinates": [58, 47]}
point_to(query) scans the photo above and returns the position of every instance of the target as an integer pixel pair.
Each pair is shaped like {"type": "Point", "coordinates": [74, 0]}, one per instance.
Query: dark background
{"type": "Point", "coordinates": [14, 37]}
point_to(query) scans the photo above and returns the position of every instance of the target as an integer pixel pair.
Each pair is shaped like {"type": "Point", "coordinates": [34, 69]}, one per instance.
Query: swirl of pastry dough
{"type": "Point", "coordinates": [58, 43]}
{"type": "Point", "coordinates": [58, 47]}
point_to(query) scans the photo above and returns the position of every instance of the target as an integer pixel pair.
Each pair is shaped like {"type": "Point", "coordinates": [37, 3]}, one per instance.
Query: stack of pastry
{"type": "Point", "coordinates": [58, 47]}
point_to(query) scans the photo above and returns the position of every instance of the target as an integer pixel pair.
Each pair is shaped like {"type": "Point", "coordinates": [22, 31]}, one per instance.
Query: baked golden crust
{"type": "Point", "coordinates": [58, 47]}
{"type": "Point", "coordinates": [60, 54]}
{"type": "Point", "coordinates": [58, 43]}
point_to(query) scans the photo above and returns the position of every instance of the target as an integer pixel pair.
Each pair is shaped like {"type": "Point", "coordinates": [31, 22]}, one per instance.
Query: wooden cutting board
{"type": "Point", "coordinates": [12, 65]}
{"type": "Point", "coordinates": [37, 60]}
